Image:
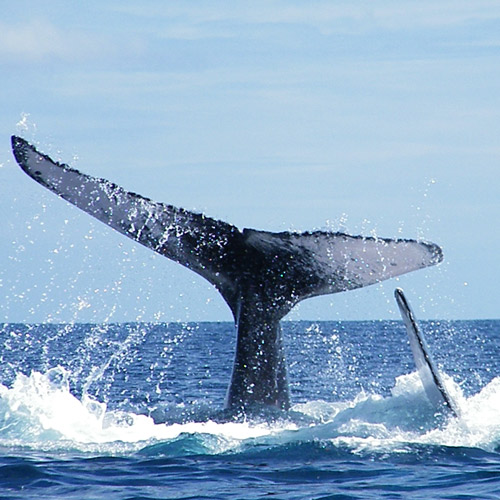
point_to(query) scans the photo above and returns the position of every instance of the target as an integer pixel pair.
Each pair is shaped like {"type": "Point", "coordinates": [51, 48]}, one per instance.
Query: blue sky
{"type": "Point", "coordinates": [369, 117]}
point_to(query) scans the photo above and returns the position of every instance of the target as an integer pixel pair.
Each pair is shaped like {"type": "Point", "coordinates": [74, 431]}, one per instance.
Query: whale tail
{"type": "Point", "coordinates": [261, 275]}
{"type": "Point", "coordinates": [277, 269]}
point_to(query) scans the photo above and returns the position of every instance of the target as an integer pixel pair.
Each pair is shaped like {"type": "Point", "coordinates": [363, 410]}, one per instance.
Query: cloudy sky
{"type": "Point", "coordinates": [368, 117]}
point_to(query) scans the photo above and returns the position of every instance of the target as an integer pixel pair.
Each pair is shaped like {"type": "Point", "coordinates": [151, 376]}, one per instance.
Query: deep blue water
{"type": "Point", "coordinates": [134, 411]}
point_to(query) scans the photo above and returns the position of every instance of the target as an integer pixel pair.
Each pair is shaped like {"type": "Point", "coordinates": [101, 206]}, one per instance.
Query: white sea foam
{"type": "Point", "coordinates": [39, 412]}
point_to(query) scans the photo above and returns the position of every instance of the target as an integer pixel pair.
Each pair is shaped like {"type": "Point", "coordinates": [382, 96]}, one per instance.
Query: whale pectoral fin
{"type": "Point", "coordinates": [185, 237]}
{"type": "Point", "coordinates": [322, 262]}
{"type": "Point", "coordinates": [429, 375]}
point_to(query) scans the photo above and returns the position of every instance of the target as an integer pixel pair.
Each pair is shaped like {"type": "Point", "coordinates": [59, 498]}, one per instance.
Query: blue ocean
{"type": "Point", "coordinates": [135, 411]}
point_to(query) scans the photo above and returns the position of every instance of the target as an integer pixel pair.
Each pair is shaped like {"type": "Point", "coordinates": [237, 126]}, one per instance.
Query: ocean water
{"type": "Point", "coordinates": [135, 411]}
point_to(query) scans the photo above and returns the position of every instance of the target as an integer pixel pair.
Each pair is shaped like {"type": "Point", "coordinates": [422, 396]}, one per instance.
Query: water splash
{"type": "Point", "coordinates": [25, 125]}
{"type": "Point", "coordinates": [40, 412]}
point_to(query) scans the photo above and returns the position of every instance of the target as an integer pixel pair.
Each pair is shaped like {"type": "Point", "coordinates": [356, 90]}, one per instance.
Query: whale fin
{"type": "Point", "coordinates": [185, 237]}
{"type": "Point", "coordinates": [432, 381]}
{"type": "Point", "coordinates": [276, 269]}
{"type": "Point", "coordinates": [320, 262]}
{"type": "Point", "coordinates": [261, 275]}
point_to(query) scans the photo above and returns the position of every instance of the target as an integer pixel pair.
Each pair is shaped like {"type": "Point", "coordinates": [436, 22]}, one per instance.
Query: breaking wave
{"type": "Point", "coordinates": [39, 412]}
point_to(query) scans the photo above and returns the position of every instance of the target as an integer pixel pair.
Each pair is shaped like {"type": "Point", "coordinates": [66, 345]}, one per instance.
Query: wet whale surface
{"type": "Point", "coordinates": [261, 275]}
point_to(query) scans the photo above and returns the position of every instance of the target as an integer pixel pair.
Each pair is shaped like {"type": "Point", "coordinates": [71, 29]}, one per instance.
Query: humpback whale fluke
{"type": "Point", "coordinates": [261, 275]}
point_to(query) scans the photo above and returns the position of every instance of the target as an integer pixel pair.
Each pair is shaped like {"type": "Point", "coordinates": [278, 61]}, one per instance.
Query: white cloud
{"type": "Point", "coordinates": [35, 40]}
{"type": "Point", "coordinates": [38, 40]}
{"type": "Point", "coordinates": [198, 19]}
